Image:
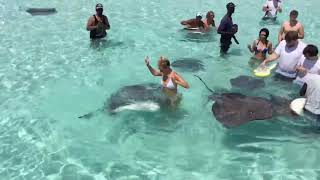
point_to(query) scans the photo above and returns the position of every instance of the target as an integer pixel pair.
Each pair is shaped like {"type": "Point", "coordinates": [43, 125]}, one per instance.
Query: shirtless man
{"type": "Point", "coordinates": [291, 25]}
{"type": "Point", "coordinates": [98, 24]}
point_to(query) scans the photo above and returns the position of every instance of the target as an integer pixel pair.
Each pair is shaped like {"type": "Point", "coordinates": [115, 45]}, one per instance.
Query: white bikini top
{"type": "Point", "coordinates": [169, 85]}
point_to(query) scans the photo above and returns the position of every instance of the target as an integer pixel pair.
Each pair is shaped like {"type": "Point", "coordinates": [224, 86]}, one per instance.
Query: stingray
{"type": "Point", "coordinates": [247, 82]}
{"type": "Point", "coordinates": [41, 11]}
{"type": "Point", "coordinates": [188, 64]}
{"type": "Point", "coordinates": [140, 97]}
{"type": "Point", "coordinates": [235, 109]}
{"type": "Point", "coordinates": [133, 95]}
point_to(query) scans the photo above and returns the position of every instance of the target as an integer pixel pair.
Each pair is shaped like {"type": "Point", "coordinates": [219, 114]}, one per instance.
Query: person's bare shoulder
{"type": "Point", "coordinates": [286, 23]}
{"type": "Point", "coordinates": [91, 19]}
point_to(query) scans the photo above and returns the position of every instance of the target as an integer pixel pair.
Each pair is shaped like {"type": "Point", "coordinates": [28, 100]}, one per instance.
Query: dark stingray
{"type": "Point", "coordinates": [132, 94]}
{"type": "Point", "coordinates": [188, 64]}
{"type": "Point", "coordinates": [281, 106]}
{"type": "Point", "coordinates": [247, 82]}
{"type": "Point", "coordinates": [131, 97]}
{"type": "Point", "coordinates": [234, 109]}
{"type": "Point", "coordinates": [41, 11]}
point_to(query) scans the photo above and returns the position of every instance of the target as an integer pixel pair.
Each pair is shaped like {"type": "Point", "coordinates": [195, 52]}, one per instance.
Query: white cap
{"type": "Point", "coordinates": [199, 14]}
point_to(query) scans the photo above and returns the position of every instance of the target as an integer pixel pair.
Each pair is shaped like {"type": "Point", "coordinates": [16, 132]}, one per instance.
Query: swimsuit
{"type": "Point", "coordinates": [169, 85]}
{"type": "Point", "coordinates": [264, 51]}
{"type": "Point", "coordinates": [94, 34]}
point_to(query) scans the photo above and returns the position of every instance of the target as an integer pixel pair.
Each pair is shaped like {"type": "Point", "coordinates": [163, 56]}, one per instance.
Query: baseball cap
{"type": "Point", "coordinates": [99, 6]}
{"type": "Point", "coordinates": [199, 14]}
{"type": "Point", "coordinates": [230, 4]}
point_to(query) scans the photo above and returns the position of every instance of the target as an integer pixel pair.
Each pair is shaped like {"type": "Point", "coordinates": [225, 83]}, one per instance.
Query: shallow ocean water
{"type": "Point", "coordinates": [50, 74]}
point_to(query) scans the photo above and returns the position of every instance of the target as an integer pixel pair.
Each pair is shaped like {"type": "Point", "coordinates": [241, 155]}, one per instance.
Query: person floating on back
{"type": "Point", "coordinates": [98, 24]}
{"type": "Point", "coordinates": [198, 23]}
{"type": "Point", "coordinates": [271, 9]}
{"type": "Point", "coordinates": [292, 25]}
{"type": "Point", "coordinates": [227, 29]}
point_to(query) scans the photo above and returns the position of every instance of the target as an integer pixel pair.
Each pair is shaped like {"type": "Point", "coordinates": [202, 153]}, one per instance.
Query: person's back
{"type": "Point", "coordinates": [313, 93]}
{"type": "Point", "coordinates": [98, 24]}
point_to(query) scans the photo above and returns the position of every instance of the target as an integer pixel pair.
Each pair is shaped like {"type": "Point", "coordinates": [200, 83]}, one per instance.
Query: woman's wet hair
{"type": "Point", "coordinates": [291, 36]}
{"type": "Point", "coordinates": [164, 62]}
{"type": "Point", "coordinates": [264, 30]}
{"type": "Point", "coordinates": [310, 50]}
{"type": "Point", "coordinates": [209, 13]}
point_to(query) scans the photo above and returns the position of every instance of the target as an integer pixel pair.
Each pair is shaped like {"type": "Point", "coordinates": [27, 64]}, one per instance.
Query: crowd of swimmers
{"type": "Point", "coordinates": [297, 61]}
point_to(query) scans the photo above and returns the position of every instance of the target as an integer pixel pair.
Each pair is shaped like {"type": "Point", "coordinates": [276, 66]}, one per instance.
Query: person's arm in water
{"type": "Point", "coordinates": [272, 57]}
{"type": "Point", "coordinates": [90, 24]}
{"type": "Point", "coordinates": [151, 69]}
{"type": "Point", "coordinates": [303, 90]}
{"type": "Point", "coordinates": [179, 80]}
{"type": "Point", "coordinates": [301, 32]}
{"type": "Point", "coordinates": [280, 33]}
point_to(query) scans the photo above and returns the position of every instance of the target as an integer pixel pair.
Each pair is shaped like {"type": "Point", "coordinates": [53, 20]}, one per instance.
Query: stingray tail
{"type": "Point", "coordinates": [204, 83]}
{"type": "Point", "coordinates": [90, 114]}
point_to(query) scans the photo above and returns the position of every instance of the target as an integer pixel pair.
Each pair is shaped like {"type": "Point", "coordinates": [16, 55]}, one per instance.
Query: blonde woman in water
{"type": "Point", "coordinates": [170, 79]}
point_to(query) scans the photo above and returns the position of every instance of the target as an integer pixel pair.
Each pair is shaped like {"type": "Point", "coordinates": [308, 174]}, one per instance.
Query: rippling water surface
{"type": "Point", "coordinates": [50, 74]}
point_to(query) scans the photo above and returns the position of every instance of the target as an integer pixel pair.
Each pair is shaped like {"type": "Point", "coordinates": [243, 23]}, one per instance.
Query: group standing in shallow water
{"type": "Point", "coordinates": [297, 61]}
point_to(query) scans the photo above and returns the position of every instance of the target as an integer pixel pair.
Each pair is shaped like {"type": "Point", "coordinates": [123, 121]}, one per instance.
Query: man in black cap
{"type": "Point", "coordinates": [98, 24]}
{"type": "Point", "coordinates": [227, 29]}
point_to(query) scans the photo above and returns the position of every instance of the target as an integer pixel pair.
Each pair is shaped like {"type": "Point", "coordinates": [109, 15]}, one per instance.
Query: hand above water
{"type": "Point", "coordinates": [147, 60]}
{"type": "Point", "coordinates": [301, 70]}
{"type": "Point", "coordinates": [263, 64]}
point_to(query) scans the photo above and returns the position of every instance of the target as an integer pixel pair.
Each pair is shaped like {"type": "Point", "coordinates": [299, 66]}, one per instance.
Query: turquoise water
{"type": "Point", "coordinates": [50, 74]}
